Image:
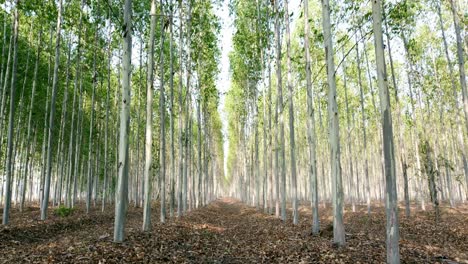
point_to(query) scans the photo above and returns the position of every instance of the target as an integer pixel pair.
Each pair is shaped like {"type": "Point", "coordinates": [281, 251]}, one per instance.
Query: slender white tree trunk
{"type": "Point", "coordinates": [45, 201]}
{"type": "Point", "coordinates": [162, 116]}
{"type": "Point", "coordinates": [182, 182]}
{"type": "Point", "coordinates": [171, 109]}
{"type": "Point", "coordinates": [5, 84]}
{"type": "Point", "coordinates": [61, 146]}
{"type": "Point", "coordinates": [149, 123]}
{"type": "Point", "coordinates": [200, 171]}
{"type": "Point", "coordinates": [74, 134]}
{"type": "Point", "coordinates": [106, 129]}
{"type": "Point", "coordinates": [337, 188]}
{"type": "Point", "coordinates": [292, 143]}
{"type": "Point", "coordinates": [11, 120]}
{"type": "Point", "coordinates": [281, 165]}
{"type": "Point", "coordinates": [188, 119]}
{"type": "Point", "coordinates": [4, 45]}
{"type": "Point", "coordinates": [121, 201]}
{"type": "Point", "coordinates": [311, 134]}
{"type": "Point", "coordinates": [391, 201]}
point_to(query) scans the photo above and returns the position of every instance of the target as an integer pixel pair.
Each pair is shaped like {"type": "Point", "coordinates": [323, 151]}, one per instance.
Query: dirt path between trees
{"type": "Point", "coordinates": [228, 231]}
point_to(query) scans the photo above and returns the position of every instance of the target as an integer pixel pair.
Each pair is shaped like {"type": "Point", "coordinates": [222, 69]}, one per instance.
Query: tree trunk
{"type": "Point", "coordinates": [106, 129]}
{"type": "Point", "coordinates": [337, 188]}
{"type": "Point", "coordinates": [5, 79]}
{"type": "Point", "coordinates": [162, 116]}
{"type": "Point", "coordinates": [4, 45]}
{"type": "Point", "coordinates": [137, 135]}
{"type": "Point", "coordinates": [45, 201]}
{"type": "Point", "coordinates": [73, 170]}
{"type": "Point", "coordinates": [292, 143]}
{"type": "Point", "coordinates": [311, 133]}
{"type": "Point", "coordinates": [149, 123]}
{"type": "Point", "coordinates": [61, 157]}
{"type": "Point", "coordinates": [182, 182]}
{"type": "Point", "coordinates": [121, 203]}
{"type": "Point", "coordinates": [171, 109]}
{"type": "Point", "coordinates": [270, 138]}
{"type": "Point", "coordinates": [188, 119]}
{"type": "Point", "coordinates": [11, 120]}
{"type": "Point", "coordinates": [391, 205]}
{"type": "Point", "coordinates": [200, 171]}
{"type": "Point", "coordinates": [282, 160]}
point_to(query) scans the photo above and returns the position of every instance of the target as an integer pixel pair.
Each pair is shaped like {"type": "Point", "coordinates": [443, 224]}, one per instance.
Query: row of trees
{"type": "Point", "coordinates": [357, 66]}
{"type": "Point", "coordinates": [78, 81]}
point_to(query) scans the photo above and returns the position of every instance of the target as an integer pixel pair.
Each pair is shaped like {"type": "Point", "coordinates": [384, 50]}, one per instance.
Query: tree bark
{"type": "Point", "coordinates": [61, 156]}
{"type": "Point", "coordinates": [5, 79]}
{"type": "Point", "coordinates": [282, 160]}
{"type": "Point", "coordinates": [337, 188]}
{"type": "Point", "coordinates": [292, 143]}
{"type": "Point", "coordinates": [162, 116]}
{"type": "Point", "coordinates": [11, 120]}
{"type": "Point", "coordinates": [311, 133]}
{"type": "Point", "coordinates": [74, 134]}
{"type": "Point", "coordinates": [45, 201]}
{"type": "Point", "coordinates": [182, 182]}
{"type": "Point", "coordinates": [391, 201]}
{"type": "Point", "coordinates": [121, 203]}
{"type": "Point", "coordinates": [171, 110]}
{"type": "Point", "coordinates": [106, 129]}
{"type": "Point", "coordinates": [89, 192]}
{"type": "Point", "coordinates": [149, 123]}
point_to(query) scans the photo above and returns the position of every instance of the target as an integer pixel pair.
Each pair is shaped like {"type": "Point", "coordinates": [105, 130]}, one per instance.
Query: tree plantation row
{"type": "Point", "coordinates": [78, 118]}
{"type": "Point", "coordinates": [348, 102]}
{"type": "Point", "coordinates": [115, 103]}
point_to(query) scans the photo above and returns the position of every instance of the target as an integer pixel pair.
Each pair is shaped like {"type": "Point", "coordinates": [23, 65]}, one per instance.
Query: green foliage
{"type": "Point", "coordinates": [63, 211]}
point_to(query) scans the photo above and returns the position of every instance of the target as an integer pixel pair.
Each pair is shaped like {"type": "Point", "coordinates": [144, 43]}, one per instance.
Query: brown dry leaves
{"type": "Point", "coordinates": [227, 231]}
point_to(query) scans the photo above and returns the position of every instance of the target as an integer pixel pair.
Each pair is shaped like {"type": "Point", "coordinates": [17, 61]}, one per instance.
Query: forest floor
{"type": "Point", "coordinates": [227, 231]}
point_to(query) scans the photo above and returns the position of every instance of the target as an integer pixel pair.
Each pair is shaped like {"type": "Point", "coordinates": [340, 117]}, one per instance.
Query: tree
{"type": "Point", "coordinates": [149, 123]}
{"type": "Point", "coordinates": [121, 202]}
{"type": "Point", "coordinates": [7, 186]}
{"type": "Point", "coordinates": [282, 159]}
{"type": "Point", "coordinates": [337, 189]}
{"type": "Point", "coordinates": [311, 135]}
{"type": "Point", "coordinates": [391, 201]}
{"type": "Point", "coordinates": [181, 202]}
{"type": "Point", "coordinates": [291, 120]}
{"type": "Point", "coordinates": [45, 201]}
{"type": "Point", "coordinates": [89, 192]}
{"type": "Point", "coordinates": [162, 116]}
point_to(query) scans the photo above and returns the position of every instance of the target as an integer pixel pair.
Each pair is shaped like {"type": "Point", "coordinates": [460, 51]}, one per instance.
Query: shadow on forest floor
{"type": "Point", "coordinates": [228, 231]}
